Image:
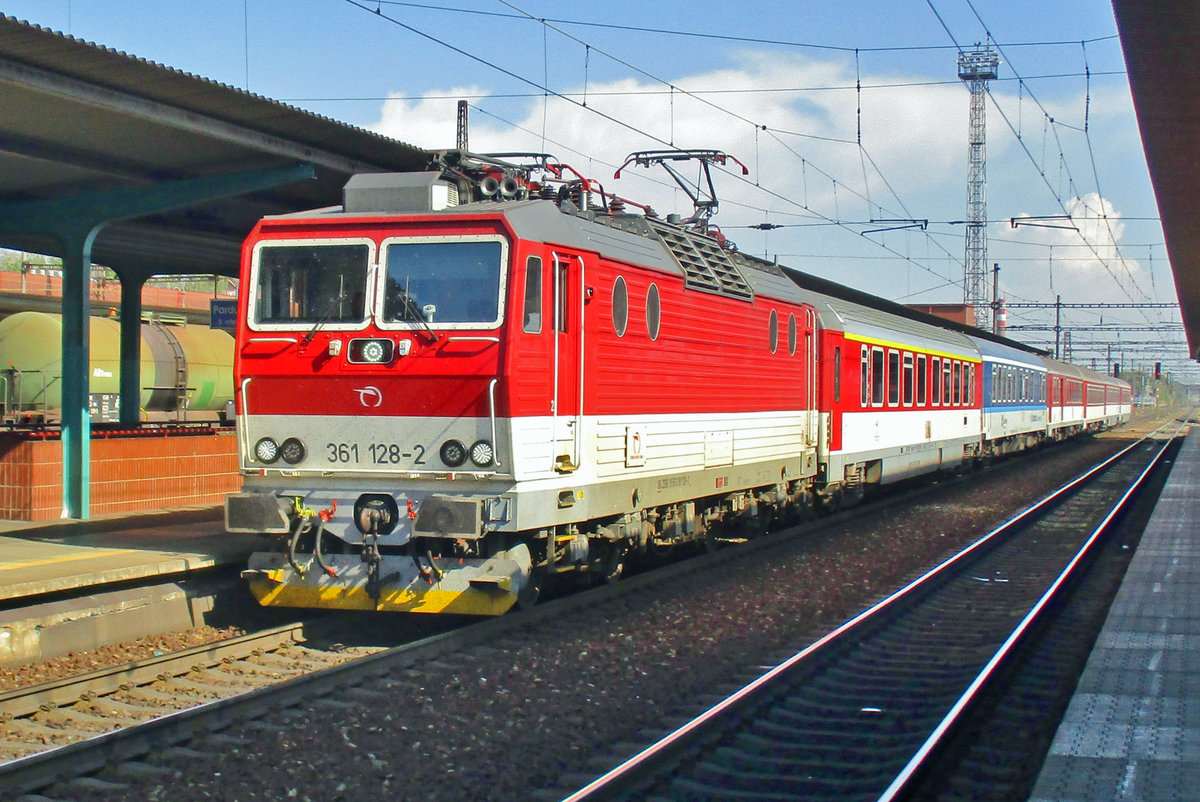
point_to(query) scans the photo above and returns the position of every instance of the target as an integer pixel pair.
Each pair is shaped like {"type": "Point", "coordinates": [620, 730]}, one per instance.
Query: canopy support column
{"type": "Point", "coordinates": [75, 222]}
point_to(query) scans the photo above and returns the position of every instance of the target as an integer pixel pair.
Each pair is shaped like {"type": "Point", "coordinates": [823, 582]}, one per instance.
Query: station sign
{"type": "Point", "coordinates": [222, 313]}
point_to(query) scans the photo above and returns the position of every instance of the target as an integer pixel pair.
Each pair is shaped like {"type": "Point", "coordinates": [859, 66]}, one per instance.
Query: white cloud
{"type": "Point", "coordinates": [914, 135]}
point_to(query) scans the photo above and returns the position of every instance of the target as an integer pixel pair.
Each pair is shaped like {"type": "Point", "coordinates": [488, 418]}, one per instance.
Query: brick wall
{"type": "Point", "coordinates": [127, 474]}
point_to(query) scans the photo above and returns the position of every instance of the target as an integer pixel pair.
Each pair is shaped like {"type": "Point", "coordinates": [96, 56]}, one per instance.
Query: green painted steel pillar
{"type": "Point", "coordinates": [131, 346]}
{"type": "Point", "coordinates": [76, 330]}
{"type": "Point", "coordinates": [75, 221]}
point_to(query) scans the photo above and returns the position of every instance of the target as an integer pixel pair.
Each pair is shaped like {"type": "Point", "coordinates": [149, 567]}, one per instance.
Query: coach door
{"type": "Point", "coordinates": [568, 359]}
{"type": "Point", "coordinates": [810, 377]}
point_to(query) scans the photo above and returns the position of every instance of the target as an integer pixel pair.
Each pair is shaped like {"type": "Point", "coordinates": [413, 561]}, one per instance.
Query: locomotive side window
{"type": "Point", "coordinates": [532, 320]}
{"type": "Point", "coordinates": [620, 306]}
{"type": "Point", "coordinates": [311, 284]}
{"type": "Point", "coordinates": [877, 376]}
{"type": "Point", "coordinates": [922, 379]}
{"type": "Point", "coordinates": [791, 335]}
{"type": "Point", "coordinates": [893, 378]}
{"type": "Point", "coordinates": [443, 282]}
{"type": "Point", "coordinates": [773, 331]}
{"type": "Point", "coordinates": [653, 312]}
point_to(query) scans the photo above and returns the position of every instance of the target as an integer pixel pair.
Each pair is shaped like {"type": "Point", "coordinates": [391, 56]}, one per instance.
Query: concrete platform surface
{"type": "Point", "coordinates": [52, 557]}
{"type": "Point", "coordinates": [1132, 729]}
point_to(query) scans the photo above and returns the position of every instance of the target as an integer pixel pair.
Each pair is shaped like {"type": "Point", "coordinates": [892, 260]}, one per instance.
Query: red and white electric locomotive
{"type": "Point", "coordinates": [441, 404]}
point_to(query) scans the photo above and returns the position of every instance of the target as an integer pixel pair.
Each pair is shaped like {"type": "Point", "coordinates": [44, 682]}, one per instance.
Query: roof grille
{"type": "Point", "coordinates": [706, 265]}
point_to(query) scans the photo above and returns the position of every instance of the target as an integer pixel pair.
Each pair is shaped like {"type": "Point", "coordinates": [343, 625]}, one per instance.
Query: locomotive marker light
{"type": "Point", "coordinates": [293, 451]}
{"type": "Point", "coordinates": [453, 453]}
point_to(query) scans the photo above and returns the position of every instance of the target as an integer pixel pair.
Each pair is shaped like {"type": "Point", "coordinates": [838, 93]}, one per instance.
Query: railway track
{"type": "Point", "coordinates": [186, 736]}
{"type": "Point", "coordinates": [866, 711]}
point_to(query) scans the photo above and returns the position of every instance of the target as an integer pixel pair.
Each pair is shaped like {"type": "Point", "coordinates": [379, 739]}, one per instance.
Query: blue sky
{"type": "Point", "coordinates": [844, 112]}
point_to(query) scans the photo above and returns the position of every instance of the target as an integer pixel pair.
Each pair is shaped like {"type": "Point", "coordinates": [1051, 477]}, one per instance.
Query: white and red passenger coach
{"type": "Point", "coordinates": [464, 381]}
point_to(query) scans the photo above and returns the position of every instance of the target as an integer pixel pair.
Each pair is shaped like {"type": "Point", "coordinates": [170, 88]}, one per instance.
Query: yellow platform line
{"type": "Point", "coordinates": [91, 555]}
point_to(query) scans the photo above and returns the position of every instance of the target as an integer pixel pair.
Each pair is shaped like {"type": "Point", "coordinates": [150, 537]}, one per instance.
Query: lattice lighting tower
{"type": "Point", "coordinates": [977, 67]}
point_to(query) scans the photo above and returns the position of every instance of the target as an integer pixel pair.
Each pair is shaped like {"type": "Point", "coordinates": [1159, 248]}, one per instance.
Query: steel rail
{"type": "Point", "coordinates": [56, 693]}
{"type": "Point", "coordinates": [41, 769]}
{"type": "Point", "coordinates": [939, 732]}
{"type": "Point", "coordinates": [640, 765]}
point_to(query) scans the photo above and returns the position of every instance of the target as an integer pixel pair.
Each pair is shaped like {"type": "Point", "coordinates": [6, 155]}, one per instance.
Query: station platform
{"type": "Point", "coordinates": [70, 585]}
{"type": "Point", "coordinates": [1132, 729]}
{"type": "Point", "coordinates": [40, 559]}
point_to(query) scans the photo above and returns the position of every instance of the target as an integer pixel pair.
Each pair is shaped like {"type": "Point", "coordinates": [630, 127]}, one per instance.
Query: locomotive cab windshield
{"type": "Point", "coordinates": [423, 283]}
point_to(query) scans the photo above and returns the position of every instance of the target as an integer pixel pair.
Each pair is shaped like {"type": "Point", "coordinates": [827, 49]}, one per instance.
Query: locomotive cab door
{"type": "Point", "coordinates": [567, 407]}
{"type": "Point", "coordinates": [812, 426]}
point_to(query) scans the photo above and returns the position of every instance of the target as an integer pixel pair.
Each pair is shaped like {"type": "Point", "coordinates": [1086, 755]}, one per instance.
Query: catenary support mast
{"type": "Point", "coordinates": [977, 67]}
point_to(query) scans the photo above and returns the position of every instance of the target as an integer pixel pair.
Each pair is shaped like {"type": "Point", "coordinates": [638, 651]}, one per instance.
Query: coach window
{"type": "Point", "coordinates": [893, 378]}
{"type": "Point", "coordinates": [877, 376]}
{"type": "Point", "coordinates": [533, 296]}
{"type": "Point", "coordinates": [791, 335]}
{"type": "Point", "coordinates": [946, 393]}
{"type": "Point", "coordinates": [773, 331]}
{"type": "Point", "coordinates": [908, 380]}
{"type": "Point", "coordinates": [653, 312]}
{"type": "Point", "coordinates": [956, 383]}
{"type": "Point", "coordinates": [620, 306]}
{"type": "Point", "coordinates": [936, 384]}
{"type": "Point", "coordinates": [922, 379]}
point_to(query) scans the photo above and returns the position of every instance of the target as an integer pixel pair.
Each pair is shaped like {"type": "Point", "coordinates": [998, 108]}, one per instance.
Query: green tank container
{"type": "Point", "coordinates": [183, 367]}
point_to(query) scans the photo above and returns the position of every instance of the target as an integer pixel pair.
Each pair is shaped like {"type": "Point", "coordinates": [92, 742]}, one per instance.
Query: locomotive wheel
{"type": "Point", "coordinates": [614, 564]}
{"type": "Point", "coordinates": [528, 595]}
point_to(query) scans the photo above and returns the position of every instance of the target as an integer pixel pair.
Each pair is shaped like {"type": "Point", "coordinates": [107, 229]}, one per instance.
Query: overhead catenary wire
{"type": "Point", "coordinates": [840, 189]}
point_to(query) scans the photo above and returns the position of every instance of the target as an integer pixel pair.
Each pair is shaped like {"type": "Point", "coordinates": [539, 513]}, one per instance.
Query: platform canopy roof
{"type": "Point", "coordinates": [81, 120]}
{"type": "Point", "coordinates": [1161, 41]}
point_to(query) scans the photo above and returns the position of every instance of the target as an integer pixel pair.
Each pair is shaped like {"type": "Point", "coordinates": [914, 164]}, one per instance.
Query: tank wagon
{"type": "Point", "coordinates": [186, 371]}
{"type": "Point", "coordinates": [465, 381]}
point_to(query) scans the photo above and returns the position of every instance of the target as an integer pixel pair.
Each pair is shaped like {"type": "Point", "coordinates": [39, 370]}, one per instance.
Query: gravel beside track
{"type": "Point", "coordinates": [22, 675]}
{"type": "Point", "coordinates": [504, 720]}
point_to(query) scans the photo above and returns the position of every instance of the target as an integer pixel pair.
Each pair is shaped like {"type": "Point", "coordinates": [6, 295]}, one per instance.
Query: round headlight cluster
{"type": "Point", "coordinates": [267, 451]}
{"type": "Point", "coordinates": [482, 453]}
{"type": "Point", "coordinates": [372, 351]}
{"type": "Point", "coordinates": [454, 453]}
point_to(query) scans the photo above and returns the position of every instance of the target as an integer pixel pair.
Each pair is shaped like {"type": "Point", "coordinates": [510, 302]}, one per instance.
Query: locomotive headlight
{"type": "Point", "coordinates": [482, 453]}
{"type": "Point", "coordinates": [266, 450]}
{"type": "Point", "coordinates": [292, 451]}
{"type": "Point", "coordinates": [372, 351]}
{"type": "Point", "coordinates": [453, 453]}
